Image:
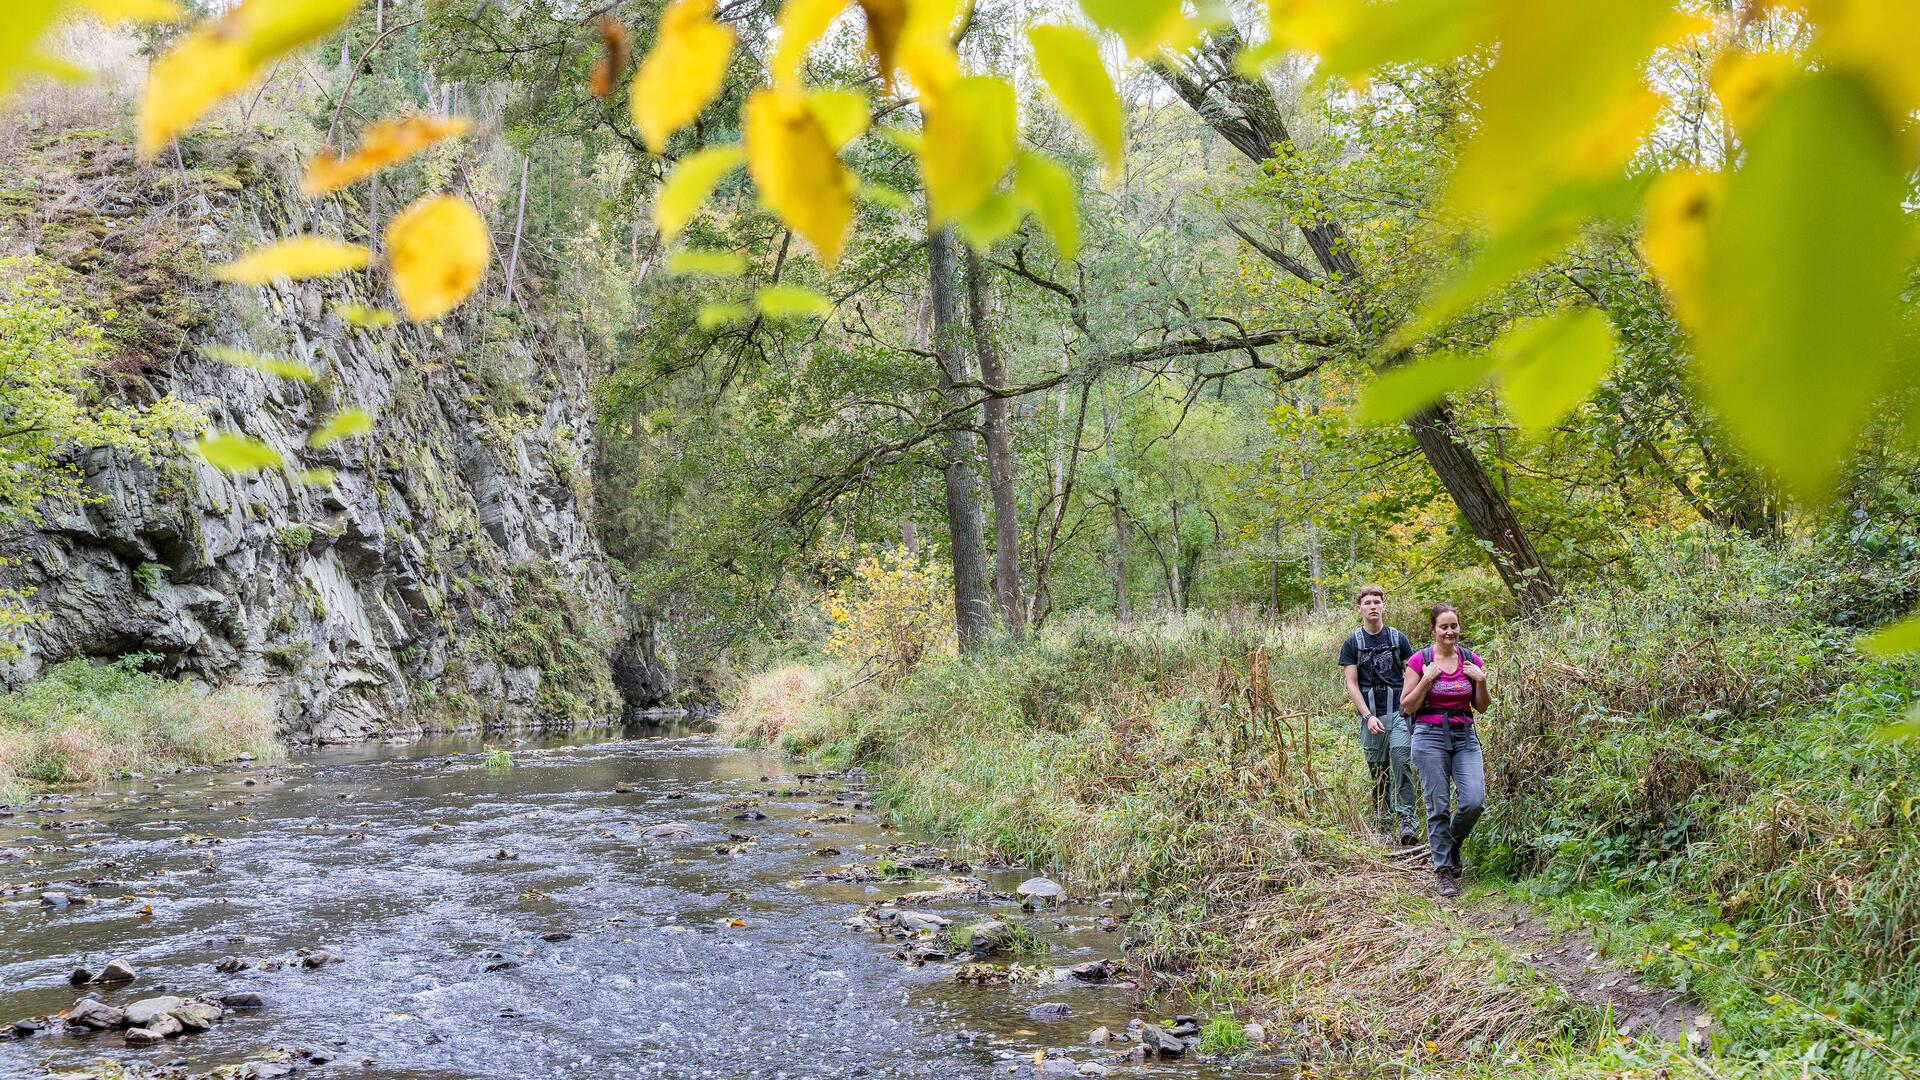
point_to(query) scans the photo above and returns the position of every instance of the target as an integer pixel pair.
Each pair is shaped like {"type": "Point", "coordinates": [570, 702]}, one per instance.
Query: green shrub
{"type": "Point", "coordinates": [85, 723]}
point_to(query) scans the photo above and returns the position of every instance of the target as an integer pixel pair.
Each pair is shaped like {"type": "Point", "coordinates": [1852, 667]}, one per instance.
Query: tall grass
{"type": "Point", "coordinates": [83, 723]}
{"type": "Point", "coordinates": [1684, 761]}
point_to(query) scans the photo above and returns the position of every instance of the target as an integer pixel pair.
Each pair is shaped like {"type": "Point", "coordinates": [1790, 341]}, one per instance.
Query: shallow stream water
{"type": "Point", "coordinates": [515, 922]}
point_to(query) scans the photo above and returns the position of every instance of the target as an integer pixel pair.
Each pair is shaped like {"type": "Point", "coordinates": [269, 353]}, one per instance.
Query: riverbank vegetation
{"type": "Point", "coordinates": [1714, 807]}
{"type": "Point", "coordinates": [85, 723]}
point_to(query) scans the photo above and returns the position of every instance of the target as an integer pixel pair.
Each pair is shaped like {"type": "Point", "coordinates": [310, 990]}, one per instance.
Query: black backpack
{"type": "Point", "coordinates": [1382, 660]}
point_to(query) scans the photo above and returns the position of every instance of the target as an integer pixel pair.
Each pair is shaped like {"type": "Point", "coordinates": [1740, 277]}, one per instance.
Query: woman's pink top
{"type": "Point", "coordinates": [1451, 692]}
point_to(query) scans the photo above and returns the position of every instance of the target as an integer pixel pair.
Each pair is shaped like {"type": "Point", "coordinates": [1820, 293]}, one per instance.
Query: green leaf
{"type": "Point", "coordinates": [969, 143]}
{"type": "Point", "coordinates": [1428, 32]}
{"type": "Point", "coordinates": [1070, 62]}
{"type": "Point", "coordinates": [235, 453]}
{"type": "Point", "coordinates": [272, 365]}
{"type": "Point", "coordinates": [1901, 637]}
{"type": "Point", "coordinates": [842, 114]}
{"type": "Point", "coordinates": [1149, 26]}
{"type": "Point", "coordinates": [688, 185]}
{"type": "Point", "coordinates": [1565, 101]}
{"type": "Point", "coordinates": [1901, 731]}
{"type": "Point", "coordinates": [1044, 187]}
{"type": "Point", "coordinates": [1553, 225]}
{"type": "Point", "coordinates": [790, 302]}
{"type": "Point", "coordinates": [1547, 366]}
{"type": "Point", "coordinates": [315, 477]}
{"type": "Point", "coordinates": [989, 222]}
{"type": "Point", "coordinates": [881, 195]}
{"type": "Point", "coordinates": [1799, 297]}
{"type": "Point", "coordinates": [714, 316]}
{"type": "Point", "coordinates": [708, 261]}
{"type": "Point", "coordinates": [1401, 391]}
{"type": "Point", "coordinates": [341, 425]}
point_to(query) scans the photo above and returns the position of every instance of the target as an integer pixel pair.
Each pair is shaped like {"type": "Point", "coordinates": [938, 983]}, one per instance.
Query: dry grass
{"type": "Point", "coordinates": [86, 724]}
{"type": "Point", "coordinates": [776, 702]}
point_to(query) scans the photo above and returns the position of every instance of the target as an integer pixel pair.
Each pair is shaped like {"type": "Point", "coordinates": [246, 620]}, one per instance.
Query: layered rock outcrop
{"type": "Point", "coordinates": [445, 577]}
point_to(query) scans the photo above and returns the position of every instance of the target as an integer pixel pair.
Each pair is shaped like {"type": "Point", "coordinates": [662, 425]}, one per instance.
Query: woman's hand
{"type": "Point", "coordinates": [1429, 673]}
{"type": "Point", "coordinates": [1473, 671]}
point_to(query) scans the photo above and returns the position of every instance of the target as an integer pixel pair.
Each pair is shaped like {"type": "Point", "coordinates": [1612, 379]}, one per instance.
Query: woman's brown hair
{"type": "Point", "coordinates": [1437, 610]}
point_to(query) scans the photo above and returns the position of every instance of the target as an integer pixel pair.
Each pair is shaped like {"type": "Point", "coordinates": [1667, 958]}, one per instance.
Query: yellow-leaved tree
{"type": "Point", "coordinates": [892, 612]}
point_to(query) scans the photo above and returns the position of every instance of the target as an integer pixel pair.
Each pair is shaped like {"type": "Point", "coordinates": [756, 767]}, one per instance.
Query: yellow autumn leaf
{"type": "Point", "coordinates": [801, 24]}
{"type": "Point", "coordinates": [842, 114]}
{"type": "Point", "coordinates": [1743, 81]}
{"type": "Point", "coordinates": [272, 365]}
{"type": "Point", "coordinates": [386, 142]}
{"type": "Point", "coordinates": [295, 257]}
{"type": "Point", "coordinates": [1069, 60]}
{"type": "Point", "coordinates": [136, 11]}
{"type": "Point", "coordinates": [437, 250]}
{"type": "Point", "coordinates": [689, 184]}
{"type": "Point", "coordinates": [1046, 189]}
{"type": "Point", "coordinates": [232, 452]}
{"type": "Point", "coordinates": [341, 425]}
{"type": "Point", "coordinates": [364, 317]}
{"type": "Point", "coordinates": [1673, 234]}
{"type": "Point", "coordinates": [682, 72]}
{"type": "Point", "coordinates": [271, 28]}
{"type": "Point", "coordinates": [968, 142]}
{"type": "Point", "coordinates": [794, 166]}
{"type": "Point", "coordinates": [707, 261]}
{"type": "Point", "coordinates": [25, 21]}
{"type": "Point", "coordinates": [1877, 38]}
{"type": "Point", "coordinates": [886, 23]}
{"type": "Point", "coordinates": [925, 49]}
{"type": "Point", "coordinates": [223, 56]}
{"type": "Point", "coordinates": [201, 71]}
{"type": "Point", "coordinates": [1530, 143]}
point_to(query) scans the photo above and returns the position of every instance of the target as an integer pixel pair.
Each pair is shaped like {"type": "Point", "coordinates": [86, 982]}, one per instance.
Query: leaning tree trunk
{"type": "Point", "coordinates": [972, 614]}
{"type": "Point", "coordinates": [1484, 507]}
{"type": "Point", "coordinates": [1245, 112]}
{"type": "Point", "coordinates": [999, 444]}
{"type": "Point", "coordinates": [1121, 609]}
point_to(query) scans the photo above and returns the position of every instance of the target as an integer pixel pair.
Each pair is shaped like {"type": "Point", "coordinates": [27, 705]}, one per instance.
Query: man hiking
{"type": "Point", "coordinates": [1374, 658]}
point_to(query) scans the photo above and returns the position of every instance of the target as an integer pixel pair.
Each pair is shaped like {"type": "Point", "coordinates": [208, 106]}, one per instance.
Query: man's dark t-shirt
{"type": "Point", "coordinates": [1380, 659]}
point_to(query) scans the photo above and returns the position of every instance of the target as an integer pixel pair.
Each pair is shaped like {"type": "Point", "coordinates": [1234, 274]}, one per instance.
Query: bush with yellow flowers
{"type": "Point", "coordinates": [893, 611]}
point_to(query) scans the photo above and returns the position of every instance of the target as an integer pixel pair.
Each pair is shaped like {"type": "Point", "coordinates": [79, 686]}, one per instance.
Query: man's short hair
{"type": "Point", "coordinates": [1370, 590]}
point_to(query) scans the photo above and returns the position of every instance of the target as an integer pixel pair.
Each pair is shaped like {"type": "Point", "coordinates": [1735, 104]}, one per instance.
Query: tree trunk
{"type": "Point", "coordinates": [1120, 608]}
{"type": "Point", "coordinates": [519, 223]}
{"type": "Point", "coordinates": [1245, 112]}
{"type": "Point", "coordinates": [972, 613]}
{"type": "Point", "coordinates": [1486, 510]}
{"type": "Point", "coordinates": [999, 445]}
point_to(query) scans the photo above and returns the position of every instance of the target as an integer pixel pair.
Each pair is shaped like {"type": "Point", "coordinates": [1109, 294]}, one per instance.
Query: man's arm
{"type": "Point", "coordinates": [1360, 700]}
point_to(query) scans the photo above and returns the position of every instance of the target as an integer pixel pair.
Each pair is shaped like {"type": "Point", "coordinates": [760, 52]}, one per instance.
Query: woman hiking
{"type": "Point", "coordinates": [1444, 686]}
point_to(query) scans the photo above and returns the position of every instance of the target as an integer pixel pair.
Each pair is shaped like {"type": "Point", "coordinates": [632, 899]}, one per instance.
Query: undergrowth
{"type": "Point", "coordinates": [1684, 766]}
{"type": "Point", "coordinates": [85, 723]}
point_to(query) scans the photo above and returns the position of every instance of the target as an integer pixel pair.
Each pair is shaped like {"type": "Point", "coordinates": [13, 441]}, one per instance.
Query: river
{"type": "Point", "coordinates": [516, 922]}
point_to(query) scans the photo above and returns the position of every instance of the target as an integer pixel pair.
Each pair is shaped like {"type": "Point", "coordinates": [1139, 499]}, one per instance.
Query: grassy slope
{"type": "Point", "coordinates": [81, 723]}
{"type": "Point", "coordinates": [1684, 764]}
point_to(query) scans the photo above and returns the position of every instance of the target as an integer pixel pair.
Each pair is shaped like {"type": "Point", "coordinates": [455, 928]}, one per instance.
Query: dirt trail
{"type": "Point", "coordinates": [1573, 961]}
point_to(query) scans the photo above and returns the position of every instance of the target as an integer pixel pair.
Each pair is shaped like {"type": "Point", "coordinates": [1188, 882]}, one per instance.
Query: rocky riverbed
{"type": "Point", "coordinates": [653, 906]}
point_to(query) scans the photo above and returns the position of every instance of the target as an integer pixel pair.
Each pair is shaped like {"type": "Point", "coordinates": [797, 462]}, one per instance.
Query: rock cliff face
{"type": "Point", "coordinates": [446, 577]}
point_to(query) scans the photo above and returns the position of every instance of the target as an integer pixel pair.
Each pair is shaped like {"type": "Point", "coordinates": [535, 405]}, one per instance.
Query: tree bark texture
{"type": "Point", "coordinates": [1121, 609]}
{"type": "Point", "coordinates": [999, 446]}
{"type": "Point", "coordinates": [972, 613]}
{"type": "Point", "coordinates": [1481, 503]}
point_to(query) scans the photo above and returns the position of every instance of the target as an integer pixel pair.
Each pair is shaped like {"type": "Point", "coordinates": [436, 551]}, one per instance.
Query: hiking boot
{"type": "Point", "coordinates": [1407, 837]}
{"type": "Point", "coordinates": [1446, 883]}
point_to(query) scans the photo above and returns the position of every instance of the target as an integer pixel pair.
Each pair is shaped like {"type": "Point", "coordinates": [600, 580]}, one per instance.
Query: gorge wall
{"type": "Point", "coordinates": [446, 577]}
